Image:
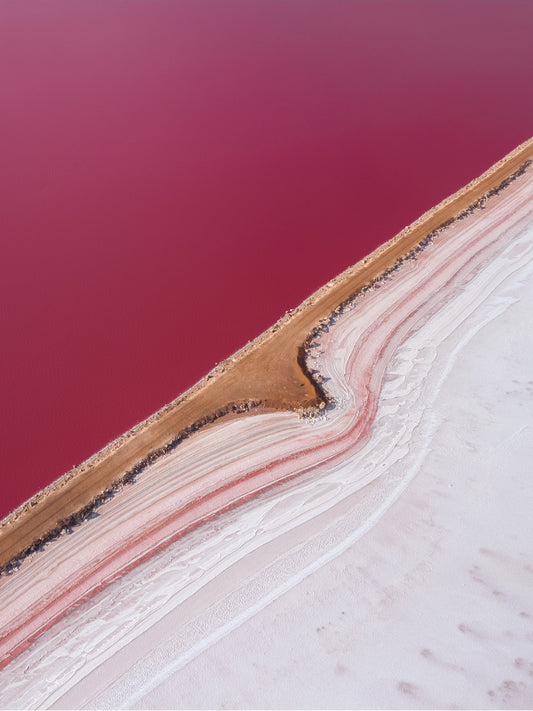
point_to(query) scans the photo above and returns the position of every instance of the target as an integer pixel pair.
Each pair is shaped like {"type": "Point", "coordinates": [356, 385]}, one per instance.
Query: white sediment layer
{"type": "Point", "coordinates": [395, 569]}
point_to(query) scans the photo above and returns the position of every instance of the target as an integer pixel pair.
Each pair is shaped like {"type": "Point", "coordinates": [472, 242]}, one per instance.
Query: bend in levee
{"type": "Point", "coordinates": [270, 373]}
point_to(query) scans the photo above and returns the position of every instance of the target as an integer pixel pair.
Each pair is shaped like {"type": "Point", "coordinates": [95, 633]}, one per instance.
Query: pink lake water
{"type": "Point", "coordinates": [175, 176]}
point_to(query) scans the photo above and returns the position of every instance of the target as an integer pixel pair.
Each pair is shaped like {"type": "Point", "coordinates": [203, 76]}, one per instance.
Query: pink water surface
{"type": "Point", "coordinates": [175, 175]}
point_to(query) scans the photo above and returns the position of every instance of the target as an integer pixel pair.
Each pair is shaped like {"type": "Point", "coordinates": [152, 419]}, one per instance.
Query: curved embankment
{"type": "Point", "coordinates": [344, 339]}
{"type": "Point", "coordinates": [267, 373]}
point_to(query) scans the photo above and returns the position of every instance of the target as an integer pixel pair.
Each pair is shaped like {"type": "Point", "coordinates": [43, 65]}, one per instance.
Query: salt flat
{"type": "Point", "coordinates": [431, 607]}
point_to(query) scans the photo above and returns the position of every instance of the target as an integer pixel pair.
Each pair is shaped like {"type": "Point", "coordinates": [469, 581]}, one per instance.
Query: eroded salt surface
{"type": "Point", "coordinates": [427, 603]}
